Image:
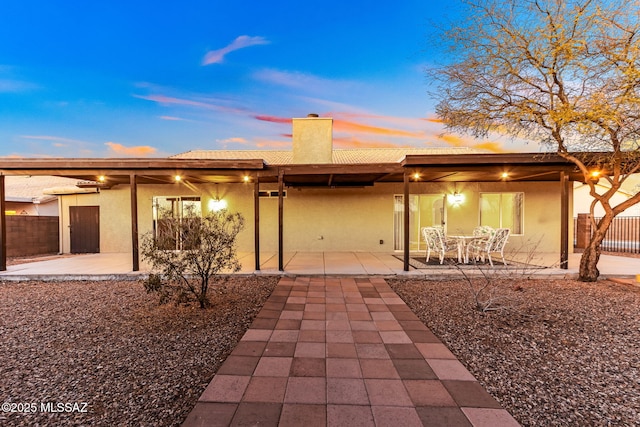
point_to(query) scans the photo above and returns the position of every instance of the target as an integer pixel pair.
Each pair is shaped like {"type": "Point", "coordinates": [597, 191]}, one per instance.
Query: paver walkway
{"type": "Point", "coordinates": [342, 352]}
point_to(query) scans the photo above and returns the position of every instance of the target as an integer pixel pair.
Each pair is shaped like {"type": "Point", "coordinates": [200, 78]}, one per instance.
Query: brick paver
{"type": "Point", "coordinates": [342, 351]}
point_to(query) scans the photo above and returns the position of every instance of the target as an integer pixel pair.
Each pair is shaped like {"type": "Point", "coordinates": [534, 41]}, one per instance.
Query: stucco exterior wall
{"type": "Point", "coordinates": [115, 211]}
{"type": "Point", "coordinates": [115, 218]}
{"type": "Point", "coordinates": [582, 202]}
{"type": "Point", "coordinates": [354, 219]}
{"type": "Point", "coordinates": [322, 219]}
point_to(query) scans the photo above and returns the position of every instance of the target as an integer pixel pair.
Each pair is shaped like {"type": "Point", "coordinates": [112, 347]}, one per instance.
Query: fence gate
{"type": "Point", "coordinates": [84, 224]}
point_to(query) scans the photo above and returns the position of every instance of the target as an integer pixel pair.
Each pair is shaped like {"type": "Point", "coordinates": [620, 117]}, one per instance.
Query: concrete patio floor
{"type": "Point", "coordinates": [119, 265]}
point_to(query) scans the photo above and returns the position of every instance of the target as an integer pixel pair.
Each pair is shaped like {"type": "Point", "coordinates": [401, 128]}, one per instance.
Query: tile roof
{"type": "Point", "coordinates": [26, 188]}
{"type": "Point", "coordinates": [340, 156]}
{"type": "Point", "coordinates": [272, 157]}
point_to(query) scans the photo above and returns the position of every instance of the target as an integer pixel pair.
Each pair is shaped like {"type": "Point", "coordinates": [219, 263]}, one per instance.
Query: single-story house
{"type": "Point", "coordinates": [315, 197]}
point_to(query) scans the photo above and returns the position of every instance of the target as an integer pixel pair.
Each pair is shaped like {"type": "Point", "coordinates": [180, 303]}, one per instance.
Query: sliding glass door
{"type": "Point", "coordinates": [425, 210]}
{"type": "Point", "coordinates": [168, 232]}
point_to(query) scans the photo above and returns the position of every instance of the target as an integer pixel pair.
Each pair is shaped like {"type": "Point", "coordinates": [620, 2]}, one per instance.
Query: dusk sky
{"type": "Point", "coordinates": [152, 79]}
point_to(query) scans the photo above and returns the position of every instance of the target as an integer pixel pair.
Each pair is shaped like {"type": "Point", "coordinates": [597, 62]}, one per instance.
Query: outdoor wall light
{"type": "Point", "coordinates": [457, 198]}
{"type": "Point", "coordinates": [177, 178]}
{"type": "Point", "coordinates": [246, 178]}
{"type": "Point", "coordinates": [216, 204]}
{"type": "Point", "coordinates": [416, 176]}
{"type": "Point", "coordinates": [505, 175]}
{"type": "Point", "coordinates": [101, 178]}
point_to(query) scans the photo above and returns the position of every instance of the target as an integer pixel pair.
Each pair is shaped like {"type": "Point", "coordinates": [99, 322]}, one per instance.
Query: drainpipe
{"type": "Point", "coordinates": [564, 220]}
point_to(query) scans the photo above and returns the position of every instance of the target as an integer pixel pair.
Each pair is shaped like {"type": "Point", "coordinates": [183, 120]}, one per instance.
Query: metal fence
{"type": "Point", "coordinates": [623, 235]}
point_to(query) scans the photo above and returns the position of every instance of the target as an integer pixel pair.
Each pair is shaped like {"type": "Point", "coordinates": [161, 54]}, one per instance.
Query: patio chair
{"type": "Point", "coordinates": [483, 231]}
{"type": "Point", "coordinates": [438, 243]}
{"type": "Point", "coordinates": [493, 243]}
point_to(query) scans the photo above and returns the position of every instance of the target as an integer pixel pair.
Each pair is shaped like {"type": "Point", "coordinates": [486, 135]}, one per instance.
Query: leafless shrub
{"type": "Point", "coordinates": [487, 286]}
{"type": "Point", "coordinates": [190, 253]}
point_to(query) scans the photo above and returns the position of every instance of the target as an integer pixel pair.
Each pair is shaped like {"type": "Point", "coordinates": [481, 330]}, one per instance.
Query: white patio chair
{"type": "Point", "coordinates": [483, 231]}
{"type": "Point", "coordinates": [436, 242]}
{"type": "Point", "coordinates": [494, 243]}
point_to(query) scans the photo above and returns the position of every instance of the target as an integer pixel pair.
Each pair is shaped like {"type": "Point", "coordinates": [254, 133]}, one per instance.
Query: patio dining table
{"type": "Point", "coordinates": [463, 241]}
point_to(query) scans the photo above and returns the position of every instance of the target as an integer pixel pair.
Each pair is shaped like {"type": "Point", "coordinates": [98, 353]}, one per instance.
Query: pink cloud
{"type": "Point", "coordinates": [140, 150]}
{"type": "Point", "coordinates": [217, 56]}
{"type": "Point", "coordinates": [273, 119]}
{"type": "Point", "coordinates": [353, 127]}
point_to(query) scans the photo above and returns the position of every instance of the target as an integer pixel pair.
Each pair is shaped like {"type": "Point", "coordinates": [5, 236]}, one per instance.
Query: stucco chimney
{"type": "Point", "coordinates": [312, 139]}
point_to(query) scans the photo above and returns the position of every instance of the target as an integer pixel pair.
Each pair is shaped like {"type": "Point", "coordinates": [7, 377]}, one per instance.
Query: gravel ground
{"type": "Point", "coordinates": [559, 353]}
{"type": "Point", "coordinates": [111, 346]}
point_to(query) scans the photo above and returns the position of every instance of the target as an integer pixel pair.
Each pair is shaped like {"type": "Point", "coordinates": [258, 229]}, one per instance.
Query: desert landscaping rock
{"type": "Point", "coordinates": [560, 353]}
{"type": "Point", "coordinates": [111, 346]}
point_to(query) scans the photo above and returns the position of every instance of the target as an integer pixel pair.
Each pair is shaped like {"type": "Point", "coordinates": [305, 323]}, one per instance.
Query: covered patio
{"type": "Point", "coordinates": [118, 266]}
{"type": "Point", "coordinates": [436, 168]}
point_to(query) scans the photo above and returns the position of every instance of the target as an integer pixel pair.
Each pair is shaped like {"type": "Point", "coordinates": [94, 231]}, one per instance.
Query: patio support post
{"type": "Point", "coordinates": [134, 222]}
{"type": "Point", "coordinates": [406, 221]}
{"type": "Point", "coordinates": [256, 222]}
{"type": "Point", "coordinates": [3, 227]}
{"type": "Point", "coordinates": [564, 220]}
{"type": "Point", "coordinates": [280, 219]}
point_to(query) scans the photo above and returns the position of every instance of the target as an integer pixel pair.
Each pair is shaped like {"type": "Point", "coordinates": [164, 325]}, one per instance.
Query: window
{"type": "Point", "coordinates": [171, 218]}
{"type": "Point", "coordinates": [502, 210]}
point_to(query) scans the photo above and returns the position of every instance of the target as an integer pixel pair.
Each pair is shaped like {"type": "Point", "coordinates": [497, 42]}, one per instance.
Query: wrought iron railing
{"type": "Point", "coordinates": [623, 235]}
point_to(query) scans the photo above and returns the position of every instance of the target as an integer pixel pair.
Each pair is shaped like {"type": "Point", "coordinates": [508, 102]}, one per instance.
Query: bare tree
{"type": "Point", "coordinates": [565, 73]}
{"type": "Point", "coordinates": [190, 253]}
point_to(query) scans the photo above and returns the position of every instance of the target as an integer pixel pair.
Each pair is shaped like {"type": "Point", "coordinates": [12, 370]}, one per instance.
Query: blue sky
{"type": "Point", "coordinates": [149, 79]}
